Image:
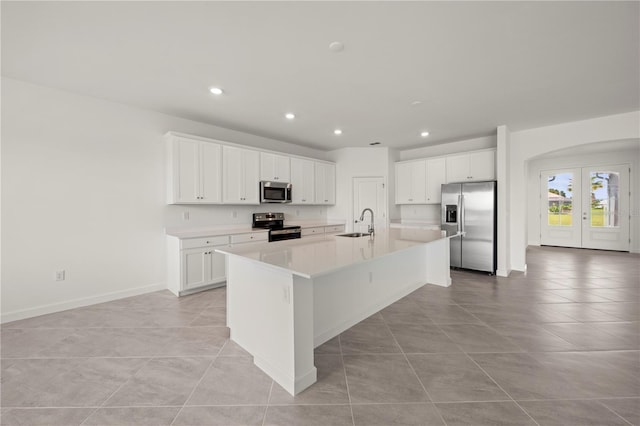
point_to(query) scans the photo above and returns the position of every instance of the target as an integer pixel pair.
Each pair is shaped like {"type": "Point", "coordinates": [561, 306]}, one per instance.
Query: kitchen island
{"type": "Point", "coordinates": [286, 298]}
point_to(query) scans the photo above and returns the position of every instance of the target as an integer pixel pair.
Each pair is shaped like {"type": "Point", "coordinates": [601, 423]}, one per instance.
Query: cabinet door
{"type": "Point", "coordinates": [195, 268]}
{"type": "Point", "coordinates": [241, 176]}
{"type": "Point", "coordinates": [233, 179]}
{"type": "Point", "coordinates": [411, 182]}
{"type": "Point", "coordinates": [403, 183]}
{"type": "Point", "coordinates": [458, 168]}
{"type": "Point", "coordinates": [186, 166]}
{"type": "Point", "coordinates": [210, 172]}
{"type": "Point", "coordinates": [274, 167]}
{"type": "Point", "coordinates": [251, 176]}
{"type": "Point", "coordinates": [482, 165]}
{"type": "Point", "coordinates": [217, 267]}
{"type": "Point", "coordinates": [436, 176]}
{"type": "Point", "coordinates": [325, 183]}
{"type": "Point", "coordinates": [302, 180]}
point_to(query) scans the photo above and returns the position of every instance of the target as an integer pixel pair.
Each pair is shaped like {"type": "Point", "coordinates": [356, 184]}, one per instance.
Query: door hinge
{"type": "Point", "coordinates": [383, 186]}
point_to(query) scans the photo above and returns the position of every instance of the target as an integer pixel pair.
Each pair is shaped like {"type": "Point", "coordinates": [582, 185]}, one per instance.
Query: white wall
{"type": "Point", "coordinates": [525, 145]}
{"type": "Point", "coordinates": [576, 159]}
{"type": "Point", "coordinates": [350, 163]}
{"type": "Point", "coordinates": [449, 148]}
{"type": "Point", "coordinates": [83, 190]}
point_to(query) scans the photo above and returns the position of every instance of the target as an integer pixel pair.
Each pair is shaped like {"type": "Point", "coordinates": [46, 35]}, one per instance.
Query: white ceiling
{"type": "Point", "coordinates": [473, 65]}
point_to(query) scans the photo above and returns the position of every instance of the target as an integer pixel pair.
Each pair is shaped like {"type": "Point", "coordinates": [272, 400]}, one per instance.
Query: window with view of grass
{"type": "Point", "coordinates": [559, 190]}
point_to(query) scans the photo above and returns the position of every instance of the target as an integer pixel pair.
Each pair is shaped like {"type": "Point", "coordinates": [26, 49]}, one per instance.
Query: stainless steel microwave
{"type": "Point", "coordinates": [275, 192]}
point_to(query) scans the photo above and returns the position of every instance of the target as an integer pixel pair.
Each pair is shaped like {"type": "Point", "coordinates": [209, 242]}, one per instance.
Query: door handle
{"type": "Point", "coordinates": [459, 214]}
{"type": "Point", "coordinates": [462, 213]}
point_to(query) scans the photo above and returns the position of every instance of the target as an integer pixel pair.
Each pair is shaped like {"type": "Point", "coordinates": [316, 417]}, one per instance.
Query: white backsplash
{"type": "Point", "coordinates": [420, 213]}
{"type": "Point", "coordinates": [218, 215]}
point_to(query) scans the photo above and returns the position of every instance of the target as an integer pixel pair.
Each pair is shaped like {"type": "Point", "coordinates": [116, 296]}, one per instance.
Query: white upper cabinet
{"type": "Point", "coordinates": [194, 171]}
{"type": "Point", "coordinates": [240, 175]}
{"type": "Point", "coordinates": [302, 181]}
{"type": "Point", "coordinates": [436, 176]}
{"type": "Point", "coordinates": [274, 167]}
{"type": "Point", "coordinates": [472, 166]}
{"type": "Point", "coordinates": [411, 181]}
{"type": "Point", "coordinates": [325, 183]}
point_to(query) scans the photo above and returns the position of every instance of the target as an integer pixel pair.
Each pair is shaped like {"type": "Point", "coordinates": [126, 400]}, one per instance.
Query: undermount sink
{"type": "Point", "coordinates": [353, 235]}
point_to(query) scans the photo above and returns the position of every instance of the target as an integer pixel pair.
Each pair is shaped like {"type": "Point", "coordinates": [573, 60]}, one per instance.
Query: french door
{"type": "Point", "coordinates": [585, 207]}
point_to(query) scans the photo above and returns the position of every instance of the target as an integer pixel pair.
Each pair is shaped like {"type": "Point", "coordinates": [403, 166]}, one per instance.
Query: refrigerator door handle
{"type": "Point", "coordinates": [461, 210]}
{"type": "Point", "coordinates": [459, 214]}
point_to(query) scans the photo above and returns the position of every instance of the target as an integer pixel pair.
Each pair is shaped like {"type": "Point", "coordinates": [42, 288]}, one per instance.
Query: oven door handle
{"type": "Point", "coordinates": [285, 231]}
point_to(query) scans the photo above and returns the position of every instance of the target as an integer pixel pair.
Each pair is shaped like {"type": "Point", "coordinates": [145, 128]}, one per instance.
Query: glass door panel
{"type": "Point", "coordinates": [605, 207]}
{"type": "Point", "coordinates": [560, 208]}
{"type": "Point", "coordinates": [559, 199]}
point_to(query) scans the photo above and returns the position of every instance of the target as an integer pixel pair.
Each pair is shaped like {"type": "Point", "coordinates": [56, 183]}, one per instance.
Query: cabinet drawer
{"type": "Point", "coordinates": [219, 240]}
{"type": "Point", "coordinates": [333, 229]}
{"type": "Point", "coordinates": [312, 231]}
{"type": "Point", "coordinates": [249, 238]}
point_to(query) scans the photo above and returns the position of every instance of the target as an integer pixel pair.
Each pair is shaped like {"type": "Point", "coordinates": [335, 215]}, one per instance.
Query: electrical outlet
{"type": "Point", "coordinates": [185, 215]}
{"type": "Point", "coordinates": [297, 212]}
{"type": "Point", "coordinates": [60, 275]}
{"type": "Point", "coordinates": [234, 214]}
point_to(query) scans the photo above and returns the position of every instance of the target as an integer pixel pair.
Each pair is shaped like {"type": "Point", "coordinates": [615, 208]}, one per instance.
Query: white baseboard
{"type": "Point", "coordinates": [519, 268]}
{"type": "Point", "coordinates": [78, 303]}
{"type": "Point", "coordinates": [503, 272]}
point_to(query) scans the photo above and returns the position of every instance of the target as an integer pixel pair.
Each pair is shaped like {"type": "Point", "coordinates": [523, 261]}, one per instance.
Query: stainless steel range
{"type": "Point", "coordinates": [274, 222]}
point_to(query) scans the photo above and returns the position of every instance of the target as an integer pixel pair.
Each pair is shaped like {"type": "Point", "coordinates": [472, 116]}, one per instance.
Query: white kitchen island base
{"type": "Point", "coordinates": [302, 294]}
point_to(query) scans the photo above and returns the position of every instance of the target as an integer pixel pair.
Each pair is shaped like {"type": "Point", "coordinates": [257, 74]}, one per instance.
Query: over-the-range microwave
{"type": "Point", "coordinates": [275, 192]}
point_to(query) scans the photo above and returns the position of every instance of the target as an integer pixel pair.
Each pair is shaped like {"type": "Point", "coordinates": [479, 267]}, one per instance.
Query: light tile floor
{"type": "Point", "coordinates": [557, 346]}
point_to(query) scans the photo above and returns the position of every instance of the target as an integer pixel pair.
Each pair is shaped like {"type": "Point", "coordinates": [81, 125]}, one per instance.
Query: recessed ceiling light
{"type": "Point", "coordinates": [336, 46]}
{"type": "Point", "coordinates": [215, 90]}
{"type": "Point", "coordinates": [337, 132]}
{"type": "Point", "coordinates": [416, 103]}
{"type": "Point", "coordinates": [424, 134]}
{"type": "Point", "coordinates": [290, 116]}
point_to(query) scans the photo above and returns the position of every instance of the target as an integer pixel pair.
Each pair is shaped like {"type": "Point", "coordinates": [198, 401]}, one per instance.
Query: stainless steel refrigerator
{"type": "Point", "coordinates": [471, 208]}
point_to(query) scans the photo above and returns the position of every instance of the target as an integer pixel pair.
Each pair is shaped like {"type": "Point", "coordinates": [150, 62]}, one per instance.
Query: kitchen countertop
{"type": "Point", "coordinates": [329, 253]}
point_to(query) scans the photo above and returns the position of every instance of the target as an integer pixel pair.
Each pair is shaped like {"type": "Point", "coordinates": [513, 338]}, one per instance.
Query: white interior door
{"type": "Point", "coordinates": [369, 193]}
{"type": "Point", "coordinates": [605, 207]}
{"type": "Point", "coordinates": [585, 207]}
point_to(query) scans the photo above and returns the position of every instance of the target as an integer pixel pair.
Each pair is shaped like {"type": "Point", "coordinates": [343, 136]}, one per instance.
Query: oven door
{"type": "Point", "coordinates": [284, 234]}
{"type": "Point", "coordinates": [275, 192]}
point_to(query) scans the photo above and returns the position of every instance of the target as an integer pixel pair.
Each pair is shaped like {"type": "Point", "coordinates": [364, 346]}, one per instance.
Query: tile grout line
{"type": "Point", "coordinates": [414, 372]}
{"type": "Point", "coordinates": [615, 412]}
{"type": "Point", "coordinates": [502, 389]}
{"type": "Point", "coordinates": [264, 415]}
{"type": "Point", "coordinates": [346, 380]}
{"type": "Point", "coordinates": [116, 391]}
{"type": "Point", "coordinates": [199, 381]}
{"type": "Point", "coordinates": [482, 369]}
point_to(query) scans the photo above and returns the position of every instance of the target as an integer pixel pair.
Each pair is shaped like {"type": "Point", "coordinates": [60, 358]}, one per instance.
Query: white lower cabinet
{"type": "Point", "coordinates": [202, 267]}
{"type": "Point", "coordinates": [194, 265]}
{"type": "Point", "coordinates": [321, 230]}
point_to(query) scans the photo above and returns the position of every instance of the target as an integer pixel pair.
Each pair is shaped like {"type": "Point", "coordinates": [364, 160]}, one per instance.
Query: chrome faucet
{"type": "Point", "coordinates": [370, 230]}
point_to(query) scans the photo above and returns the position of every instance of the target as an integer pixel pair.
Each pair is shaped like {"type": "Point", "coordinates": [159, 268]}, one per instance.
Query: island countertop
{"type": "Point", "coordinates": [309, 258]}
